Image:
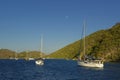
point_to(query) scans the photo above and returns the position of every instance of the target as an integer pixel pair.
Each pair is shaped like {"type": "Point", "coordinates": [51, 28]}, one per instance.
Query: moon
{"type": "Point", "coordinates": [66, 17]}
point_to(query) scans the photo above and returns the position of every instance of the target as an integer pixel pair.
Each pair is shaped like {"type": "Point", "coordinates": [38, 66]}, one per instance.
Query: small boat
{"type": "Point", "coordinates": [16, 56]}
{"type": "Point", "coordinates": [86, 61]}
{"type": "Point", "coordinates": [39, 61]}
{"type": "Point", "coordinates": [31, 58]}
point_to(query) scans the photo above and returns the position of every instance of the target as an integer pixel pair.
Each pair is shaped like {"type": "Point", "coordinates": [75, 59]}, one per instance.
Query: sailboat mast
{"type": "Point", "coordinates": [84, 31]}
{"type": "Point", "coordinates": [41, 46]}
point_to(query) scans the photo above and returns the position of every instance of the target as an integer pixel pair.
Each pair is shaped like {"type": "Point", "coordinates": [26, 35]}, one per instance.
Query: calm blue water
{"type": "Point", "coordinates": [56, 70]}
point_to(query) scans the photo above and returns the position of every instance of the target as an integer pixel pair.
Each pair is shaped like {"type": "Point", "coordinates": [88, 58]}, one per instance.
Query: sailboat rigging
{"type": "Point", "coordinates": [87, 62]}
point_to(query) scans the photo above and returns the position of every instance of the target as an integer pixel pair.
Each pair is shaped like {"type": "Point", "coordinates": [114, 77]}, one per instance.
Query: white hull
{"type": "Point", "coordinates": [16, 58]}
{"type": "Point", "coordinates": [90, 64]}
{"type": "Point", "coordinates": [31, 58]}
{"type": "Point", "coordinates": [39, 62]}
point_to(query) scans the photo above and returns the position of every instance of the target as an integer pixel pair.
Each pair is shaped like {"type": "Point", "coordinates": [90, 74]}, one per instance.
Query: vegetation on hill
{"type": "Point", "coordinates": [30, 54]}
{"type": "Point", "coordinates": [6, 53]}
{"type": "Point", "coordinates": [101, 44]}
{"type": "Point", "coordinates": [9, 54]}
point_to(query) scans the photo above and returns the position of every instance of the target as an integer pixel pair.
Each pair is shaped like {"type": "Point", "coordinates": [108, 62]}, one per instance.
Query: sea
{"type": "Point", "coordinates": [56, 69]}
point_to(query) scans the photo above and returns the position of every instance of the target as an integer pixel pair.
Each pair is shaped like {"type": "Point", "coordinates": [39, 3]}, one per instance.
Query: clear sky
{"type": "Point", "coordinates": [59, 21]}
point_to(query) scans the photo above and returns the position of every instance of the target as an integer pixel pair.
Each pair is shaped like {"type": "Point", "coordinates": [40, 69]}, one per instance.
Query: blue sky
{"type": "Point", "coordinates": [59, 21]}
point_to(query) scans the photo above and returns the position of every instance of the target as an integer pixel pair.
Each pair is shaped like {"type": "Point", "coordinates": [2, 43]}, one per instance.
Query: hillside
{"type": "Point", "coordinates": [9, 54]}
{"type": "Point", "coordinates": [6, 53]}
{"type": "Point", "coordinates": [30, 54]}
{"type": "Point", "coordinates": [101, 44]}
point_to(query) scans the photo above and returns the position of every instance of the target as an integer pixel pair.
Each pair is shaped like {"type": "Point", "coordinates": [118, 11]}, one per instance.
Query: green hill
{"type": "Point", "coordinates": [9, 54]}
{"type": "Point", "coordinates": [101, 44]}
{"type": "Point", "coordinates": [30, 54]}
{"type": "Point", "coordinates": [6, 53]}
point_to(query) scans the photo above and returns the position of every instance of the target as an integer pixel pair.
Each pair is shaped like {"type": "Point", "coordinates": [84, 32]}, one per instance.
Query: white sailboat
{"type": "Point", "coordinates": [40, 61]}
{"type": "Point", "coordinates": [89, 62]}
{"type": "Point", "coordinates": [16, 56]}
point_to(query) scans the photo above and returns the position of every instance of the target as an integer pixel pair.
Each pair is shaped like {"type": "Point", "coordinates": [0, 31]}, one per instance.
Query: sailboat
{"type": "Point", "coordinates": [40, 61]}
{"type": "Point", "coordinates": [16, 56]}
{"type": "Point", "coordinates": [88, 62]}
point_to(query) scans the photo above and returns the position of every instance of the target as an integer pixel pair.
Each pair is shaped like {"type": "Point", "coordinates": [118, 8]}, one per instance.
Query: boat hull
{"type": "Point", "coordinates": [39, 62]}
{"type": "Point", "coordinates": [90, 64]}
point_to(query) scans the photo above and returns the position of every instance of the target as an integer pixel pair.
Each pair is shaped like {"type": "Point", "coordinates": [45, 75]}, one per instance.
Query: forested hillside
{"type": "Point", "coordinates": [6, 53]}
{"type": "Point", "coordinates": [9, 54]}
